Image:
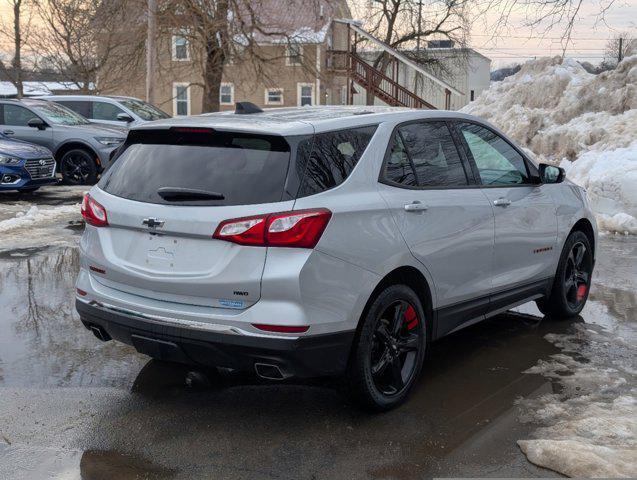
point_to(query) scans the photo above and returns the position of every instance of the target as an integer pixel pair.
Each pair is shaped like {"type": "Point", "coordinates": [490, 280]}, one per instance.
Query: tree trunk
{"type": "Point", "coordinates": [213, 72]}
{"type": "Point", "coordinates": [17, 57]}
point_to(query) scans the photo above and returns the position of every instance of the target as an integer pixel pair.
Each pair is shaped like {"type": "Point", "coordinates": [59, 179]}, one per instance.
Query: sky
{"type": "Point", "coordinates": [590, 35]}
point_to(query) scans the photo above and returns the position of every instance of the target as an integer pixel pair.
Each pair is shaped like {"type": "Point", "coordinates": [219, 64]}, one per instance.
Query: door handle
{"type": "Point", "coordinates": [502, 202]}
{"type": "Point", "coordinates": [415, 206]}
{"type": "Point", "coordinates": [8, 132]}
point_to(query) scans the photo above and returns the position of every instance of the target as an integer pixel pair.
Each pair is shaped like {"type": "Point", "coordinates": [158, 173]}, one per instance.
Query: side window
{"type": "Point", "coordinates": [81, 107]}
{"type": "Point", "coordinates": [434, 155]}
{"type": "Point", "coordinates": [327, 159]}
{"type": "Point", "coordinates": [497, 161]}
{"type": "Point", "coordinates": [398, 168]}
{"type": "Point", "coordinates": [105, 111]}
{"type": "Point", "coordinates": [17, 116]}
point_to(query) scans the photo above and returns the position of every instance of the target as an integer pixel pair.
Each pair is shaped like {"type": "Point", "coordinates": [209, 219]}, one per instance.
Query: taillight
{"type": "Point", "coordinates": [300, 229]}
{"type": "Point", "coordinates": [93, 213]}
{"type": "Point", "coordinates": [282, 328]}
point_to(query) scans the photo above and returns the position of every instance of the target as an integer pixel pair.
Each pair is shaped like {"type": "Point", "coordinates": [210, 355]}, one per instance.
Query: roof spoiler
{"type": "Point", "coordinates": [243, 108]}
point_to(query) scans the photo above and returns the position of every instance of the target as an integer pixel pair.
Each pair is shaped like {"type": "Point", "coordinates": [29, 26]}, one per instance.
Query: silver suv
{"type": "Point", "coordinates": [321, 241]}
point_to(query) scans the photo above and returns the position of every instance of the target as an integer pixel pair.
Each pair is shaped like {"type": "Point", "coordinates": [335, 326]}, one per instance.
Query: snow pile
{"type": "Point", "coordinates": [589, 428]}
{"type": "Point", "coordinates": [566, 115]}
{"type": "Point", "coordinates": [35, 216]}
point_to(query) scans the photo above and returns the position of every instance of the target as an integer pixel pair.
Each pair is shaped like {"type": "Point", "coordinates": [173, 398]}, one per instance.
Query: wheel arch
{"type": "Point", "coordinates": [411, 277]}
{"type": "Point", "coordinates": [585, 226]}
{"type": "Point", "coordinates": [72, 145]}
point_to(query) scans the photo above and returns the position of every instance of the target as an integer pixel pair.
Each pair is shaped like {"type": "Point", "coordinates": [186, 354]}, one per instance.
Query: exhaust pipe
{"type": "Point", "coordinates": [268, 371]}
{"type": "Point", "coordinates": [100, 333]}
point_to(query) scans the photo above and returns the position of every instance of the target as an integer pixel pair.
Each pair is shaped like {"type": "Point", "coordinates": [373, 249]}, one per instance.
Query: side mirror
{"type": "Point", "coordinates": [37, 123]}
{"type": "Point", "coordinates": [125, 117]}
{"type": "Point", "coordinates": [551, 173]}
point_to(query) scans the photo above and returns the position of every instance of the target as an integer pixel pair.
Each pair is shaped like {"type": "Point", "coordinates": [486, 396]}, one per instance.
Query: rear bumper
{"type": "Point", "coordinates": [303, 357]}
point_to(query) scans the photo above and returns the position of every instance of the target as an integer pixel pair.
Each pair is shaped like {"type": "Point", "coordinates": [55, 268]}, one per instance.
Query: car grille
{"type": "Point", "coordinates": [40, 168]}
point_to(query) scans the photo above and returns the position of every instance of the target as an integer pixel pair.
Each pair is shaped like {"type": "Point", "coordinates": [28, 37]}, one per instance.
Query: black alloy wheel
{"type": "Point", "coordinates": [78, 168]}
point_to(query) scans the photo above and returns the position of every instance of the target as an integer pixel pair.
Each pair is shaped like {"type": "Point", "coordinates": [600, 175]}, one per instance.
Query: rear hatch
{"type": "Point", "coordinates": [166, 194]}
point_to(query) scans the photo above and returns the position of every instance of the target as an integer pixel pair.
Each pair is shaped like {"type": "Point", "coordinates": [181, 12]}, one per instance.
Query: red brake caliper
{"type": "Point", "coordinates": [581, 292]}
{"type": "Point", "coordinates": [411, 318]}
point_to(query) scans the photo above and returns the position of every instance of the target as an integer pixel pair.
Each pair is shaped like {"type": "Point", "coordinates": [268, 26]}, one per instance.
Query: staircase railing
{"type": "Point", "coordinates": [379, 84]}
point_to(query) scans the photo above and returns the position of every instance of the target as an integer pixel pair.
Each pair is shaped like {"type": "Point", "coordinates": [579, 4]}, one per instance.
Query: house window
{"type": "Point", "coordinates": [305, 94]}
{"type": "Point", "coordinates": [226, 94]}
{"type": "Point", "coordinates": [181, 99]}
{"type": "Point", "coordinates": [274, 96]}
{"type": "Point", "coordinates": [181, 50]}
{"type": "Point", "coordinates": [294, 54]}
{"type": "Point", "coordinates": [473, 95]}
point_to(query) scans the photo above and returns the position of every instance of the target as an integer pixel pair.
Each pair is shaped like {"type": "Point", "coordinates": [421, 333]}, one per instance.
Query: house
{"type": "Point", "coordinates": [312, 61]}
{"type": "Point", "coordinates": [295, 75]}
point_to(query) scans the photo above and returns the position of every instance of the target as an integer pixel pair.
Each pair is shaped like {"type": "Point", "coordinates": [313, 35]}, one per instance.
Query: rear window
{"type": "Point", "coordinates": [242, 168]}
{"type": "Point", "coordinates": [326, 160]}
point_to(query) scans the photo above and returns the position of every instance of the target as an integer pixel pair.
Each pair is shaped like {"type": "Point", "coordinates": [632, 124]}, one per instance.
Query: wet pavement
{"type": "Point", "coordinates": [74, 407]}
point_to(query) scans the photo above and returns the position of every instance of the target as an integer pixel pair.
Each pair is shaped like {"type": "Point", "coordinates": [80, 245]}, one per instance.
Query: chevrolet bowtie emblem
{"type": "Point", "coordinates": [153, 223]}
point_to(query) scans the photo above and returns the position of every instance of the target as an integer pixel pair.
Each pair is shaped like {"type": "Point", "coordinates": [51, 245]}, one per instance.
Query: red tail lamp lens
{"type": "Point", "coordinates": [80, 292]}
{"type": "Point", "coordinates": [300, 229]}
{"type": "Point", "coordinates": [93, 213]}
{"type": "Point", "coordinates": [281, 328]}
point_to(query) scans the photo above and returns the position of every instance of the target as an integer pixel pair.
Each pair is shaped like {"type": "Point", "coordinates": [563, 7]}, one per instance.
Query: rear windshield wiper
{"type": "Point", "coordinates": [176, 194]}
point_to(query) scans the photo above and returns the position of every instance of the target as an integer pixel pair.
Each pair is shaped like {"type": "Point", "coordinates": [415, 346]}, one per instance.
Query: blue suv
{"type": "Point", "coordinates": [24, 166]}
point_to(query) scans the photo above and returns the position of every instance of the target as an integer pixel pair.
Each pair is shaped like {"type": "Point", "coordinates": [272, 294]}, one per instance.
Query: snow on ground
{"type": "Point", "coordinates": [585, 123]}
{"type": "Point", "coordinates": [589, 424]}
{"type": "Point", "coordinates": [35, 215]}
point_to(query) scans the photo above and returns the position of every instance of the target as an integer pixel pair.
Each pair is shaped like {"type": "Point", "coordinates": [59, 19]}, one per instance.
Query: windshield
{"type": "Point", "coordinates": [233, 168]}
{"type": "Point", "coordinates": [144, 110]}
{"type": "Point", "coordinates": [58, 114]}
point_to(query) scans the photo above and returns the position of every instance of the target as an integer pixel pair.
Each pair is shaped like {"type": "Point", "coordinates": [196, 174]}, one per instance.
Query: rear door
{"type": "Point", "coordinates": [162, 247]}
{"type": "Point", "coordinates": [525, 214]}
{"type": "Point", "coordinates": [445, 220]}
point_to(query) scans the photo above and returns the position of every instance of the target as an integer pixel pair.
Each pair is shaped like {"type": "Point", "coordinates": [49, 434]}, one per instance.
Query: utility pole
{"type": "Point", "coordinates": [621, 50]}
{"type": "Point", "coordinates": [419, 26]}
{"type": "Point", "coordinates": [150, 51]}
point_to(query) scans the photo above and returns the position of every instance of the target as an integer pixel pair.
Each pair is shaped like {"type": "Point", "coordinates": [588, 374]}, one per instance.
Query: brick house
{"type": "Point", "coordinates": [296, 75]}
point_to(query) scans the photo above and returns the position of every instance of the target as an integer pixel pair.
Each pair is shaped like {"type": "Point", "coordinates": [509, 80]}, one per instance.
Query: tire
{"type": "Point", "coordinates": [78, 167]}
{"type": "Point", "coordinates": [390, 349]}
{"type": "Point", "coordinates": [572, 280]}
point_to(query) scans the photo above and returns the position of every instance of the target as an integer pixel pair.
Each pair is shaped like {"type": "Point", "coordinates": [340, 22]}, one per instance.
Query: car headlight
{"type": "Point", "coordinates": [4, 160]}
{"type": "Point", "coordinates": [110, 141]}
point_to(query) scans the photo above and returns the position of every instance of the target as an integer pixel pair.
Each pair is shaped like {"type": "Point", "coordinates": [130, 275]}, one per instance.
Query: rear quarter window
{"type": "Point", "coordinates": [326, 160]}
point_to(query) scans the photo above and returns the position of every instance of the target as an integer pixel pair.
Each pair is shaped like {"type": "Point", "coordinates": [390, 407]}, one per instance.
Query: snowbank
{"type": "Point", "coordinates": [35, 216]}
{"type": "Point", "coordinates": [586, 123]}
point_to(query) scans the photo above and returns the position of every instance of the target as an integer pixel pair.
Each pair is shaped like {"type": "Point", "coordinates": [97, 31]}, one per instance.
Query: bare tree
{"type": "Point", "coordinates": [224, 31]}
{"type": "Point", "coordinates": [617, 48]}
{"type": "Point", "coordinates": [15, 30]}
{"type": "Point", "coordinates": [80, 37]}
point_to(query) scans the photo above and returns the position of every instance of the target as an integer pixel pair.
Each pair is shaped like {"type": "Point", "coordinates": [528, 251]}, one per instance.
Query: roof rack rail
{"type": "Point", "coordinates": [243, 108]}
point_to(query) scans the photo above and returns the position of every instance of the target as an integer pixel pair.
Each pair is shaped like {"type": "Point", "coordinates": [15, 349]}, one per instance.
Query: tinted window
{"type": "Point", "coordinates": [497, 161]}
{"type": "Point", "coordinates": [245, 169]}
{"type": "Point", "coordinates": [17, 116]}
{"type": "Point", "coordinates": [327, 159]}
{"type": "Point", "coordinates": [398, 168]}
{"type": "Point", "coordinates": [105, 111]}
{"type": "Point", "coordinates": [81, 107]}
{"type": "Point", "coordinates": [433, 154]}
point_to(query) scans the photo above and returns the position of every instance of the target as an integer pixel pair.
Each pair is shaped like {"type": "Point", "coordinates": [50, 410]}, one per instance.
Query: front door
{"type": "Point", "coordinates": [15, 119]}
{"type": "Point", "coordinates": [446, 221]}
{"type": "Point", "coordinates": [525, 214]}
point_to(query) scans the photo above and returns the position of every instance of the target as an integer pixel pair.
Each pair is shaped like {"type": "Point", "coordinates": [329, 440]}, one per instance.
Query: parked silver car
{"type": "Point", "coordinates": [325, 241]}
{"type": "Point", "coordinates": [82, 149]}
{"type": "Point", "coordinates": [112, 110]}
